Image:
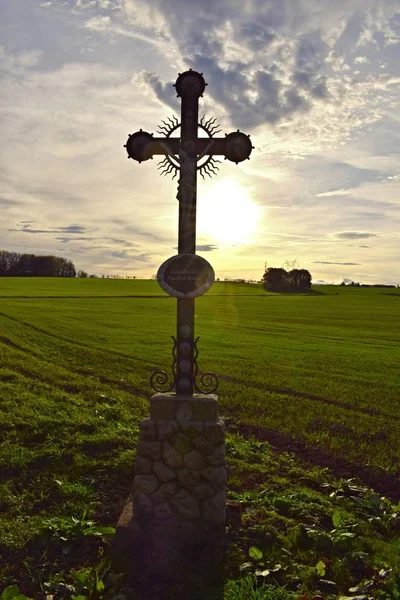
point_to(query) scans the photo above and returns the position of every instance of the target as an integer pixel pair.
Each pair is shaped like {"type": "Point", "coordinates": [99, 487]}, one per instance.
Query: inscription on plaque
{"type": "Point", "coordinates": [186, 276]}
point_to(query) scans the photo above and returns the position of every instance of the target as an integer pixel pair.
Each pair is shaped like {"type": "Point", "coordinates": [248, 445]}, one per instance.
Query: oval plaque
{"type": "Point", "coordinates": [185, 276]}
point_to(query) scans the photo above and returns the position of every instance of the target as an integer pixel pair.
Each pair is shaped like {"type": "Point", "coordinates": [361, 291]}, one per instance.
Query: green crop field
{"type": "Point", "coordinates": [316, 374]}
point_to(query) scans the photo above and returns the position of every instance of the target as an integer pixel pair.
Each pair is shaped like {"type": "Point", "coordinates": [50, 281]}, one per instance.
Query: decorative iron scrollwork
{"type": "Point", "coordinates": [170, 164]}
{"type": "Point", "coordinates": [159, 379]}
{"type": "Point", "coordinates": [204, 383]}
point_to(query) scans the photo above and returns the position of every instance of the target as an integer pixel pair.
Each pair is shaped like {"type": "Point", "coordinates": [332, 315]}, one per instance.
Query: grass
{"type": "Point", "coordinates": [319, 373]}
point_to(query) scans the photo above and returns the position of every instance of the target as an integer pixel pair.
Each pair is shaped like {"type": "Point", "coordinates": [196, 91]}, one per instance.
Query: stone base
{"type": "Point", "coordinates": [177, 511]}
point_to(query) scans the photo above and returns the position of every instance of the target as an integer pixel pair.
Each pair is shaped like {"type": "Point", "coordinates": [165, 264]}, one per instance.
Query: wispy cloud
{"type": "Point", "coordinates": [354, 235]}
{"type": "Point", "coordinates": [333, 193]}
{"type": "Point", "coordinates": [67, 229]}
{"type": "Point", "coordinates": [328, 262]}
{"type": "Point", "coordinates": [206, 247]}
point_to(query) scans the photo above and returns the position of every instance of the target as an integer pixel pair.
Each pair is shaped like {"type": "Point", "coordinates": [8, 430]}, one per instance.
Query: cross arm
{"type": "Point", "coordinates": [235, 146]}
{"type": "Point", "coordinates": [142, 146]}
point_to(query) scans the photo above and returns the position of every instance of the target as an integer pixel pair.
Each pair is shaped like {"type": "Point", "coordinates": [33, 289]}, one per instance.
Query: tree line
{"type": "Point", "coordinates": [280, 280]}
{"type": "Point", "coordinates": [13, 264]}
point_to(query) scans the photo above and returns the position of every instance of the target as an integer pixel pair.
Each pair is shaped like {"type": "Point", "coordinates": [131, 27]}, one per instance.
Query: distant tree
{"type": "Point", "coordinates": [9, 263]}
{"type": "Point", "coordinates": [13, 264]}
{"type": "Point", "coordinates": [67, 268]}
{"type": "Point", "coordinates": [299, 279]}
{"type": "Point", "coordinates": [279, 280]}
{"type": "Point", "coordinates": [82, 274]}
{"type": "Point", "coordinates": [275, 279]}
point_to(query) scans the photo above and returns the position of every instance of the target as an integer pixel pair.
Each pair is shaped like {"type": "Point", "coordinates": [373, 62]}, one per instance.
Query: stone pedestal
{"type": "Point", "coordinates": [178, 501]}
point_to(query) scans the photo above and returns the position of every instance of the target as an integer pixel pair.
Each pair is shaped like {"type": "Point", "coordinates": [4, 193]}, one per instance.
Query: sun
{"type": "Point", "coordinates": [226, 213]}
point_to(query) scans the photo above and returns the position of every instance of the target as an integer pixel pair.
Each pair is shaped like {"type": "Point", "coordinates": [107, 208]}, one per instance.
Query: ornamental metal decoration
{"type": "Point", "coordinates": [186, 154]}
{"type": "Point", "coordinates": [169, 164]}
{"type": "Point", "coordinates": [209, 382]}
{"type": "Point", "coordinates": [159, 379]}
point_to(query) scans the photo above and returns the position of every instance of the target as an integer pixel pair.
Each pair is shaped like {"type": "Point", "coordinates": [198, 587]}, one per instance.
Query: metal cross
{"type": "Point", "coordinates": [184, 153]}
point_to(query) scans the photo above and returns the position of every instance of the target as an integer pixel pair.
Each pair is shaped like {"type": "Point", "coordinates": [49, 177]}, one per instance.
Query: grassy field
{"type": "Point", "coordinates": [317, 375]}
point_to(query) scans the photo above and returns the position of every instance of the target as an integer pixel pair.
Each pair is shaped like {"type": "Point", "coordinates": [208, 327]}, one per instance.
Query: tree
{"type": "Point", "coordinates": [8, 263]}
{"type": "Point", "coordinates": [13, 264]}
{"type": "Point", "coordinates": [279, 280]}
{"type": "Point", "coordinates": [300, 280]}
{"type": "Point", "coordinates": [82, 274]}
{"type": "Point", "coordinates": [274, 279]}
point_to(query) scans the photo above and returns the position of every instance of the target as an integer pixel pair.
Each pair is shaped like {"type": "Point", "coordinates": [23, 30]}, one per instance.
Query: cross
{"type": "Point", "coordinates": [185, 153]}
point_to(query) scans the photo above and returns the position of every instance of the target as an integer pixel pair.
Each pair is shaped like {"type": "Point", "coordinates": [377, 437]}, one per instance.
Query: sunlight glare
{"type": "Point", "coordinates": [227, 214]}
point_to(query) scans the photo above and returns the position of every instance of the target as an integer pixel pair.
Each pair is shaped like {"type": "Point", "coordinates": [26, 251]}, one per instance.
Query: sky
{"type": "Point", "coordinates": [316, 83]}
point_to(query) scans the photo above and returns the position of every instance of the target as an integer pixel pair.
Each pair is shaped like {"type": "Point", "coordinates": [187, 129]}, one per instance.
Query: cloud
{"type": "Point", "coordinates": [361, 60]}
{"type": "Point", "coordinates": [7, 202]}
{"type": "Point", "coordinates": [203, 247]}
{"type": "Point", "coordinates": [206, 247]}
{"type": "Point", "coordinates": [333, 193]}
{"type": "Point", "coordinates": [18, 62]}
{"type": "Point", "coordinates": [107, 239]}
{"type": "Point", "coordinates": [65, 240]}
{"type": "Point", "coordinates": [73, 229]}
{"type": "Point", "coordinates": [121, 242]}
{"type": "Point", "coordinates": [100, 23]}
{"type": "Point", "coordinates": [67, 229]}
{"type": "Point", "coordinates": [252, 70]}
{"type": "Point", "coordinates": [273, 63]}
{"type": "Point", "coordinates": [327, 262]}
{"type": "Point", "coordinates": [163, 91]}
{"type": "Point", "coordinates": [339, 175]}
{"type": "Point", "coordinates": [123, 254]}
{"type": "Point", "coordinates": [354, 235]}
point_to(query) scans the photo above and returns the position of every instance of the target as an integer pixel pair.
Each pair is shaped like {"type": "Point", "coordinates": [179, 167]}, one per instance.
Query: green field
{"type": "Point", "coordinates": [317, 374]}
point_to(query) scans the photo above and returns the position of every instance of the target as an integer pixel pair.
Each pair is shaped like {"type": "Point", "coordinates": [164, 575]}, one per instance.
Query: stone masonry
{"type": "Point", "coordinates": [179, 489]}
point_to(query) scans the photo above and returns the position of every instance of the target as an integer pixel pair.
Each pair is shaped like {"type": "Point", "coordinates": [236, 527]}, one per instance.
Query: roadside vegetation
{"type": "Point", "coordinates": [310, 391]}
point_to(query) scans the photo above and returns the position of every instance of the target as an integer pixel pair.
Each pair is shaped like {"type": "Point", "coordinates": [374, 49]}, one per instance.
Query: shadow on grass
{"type": "Point", "coordinates": [156, 563]}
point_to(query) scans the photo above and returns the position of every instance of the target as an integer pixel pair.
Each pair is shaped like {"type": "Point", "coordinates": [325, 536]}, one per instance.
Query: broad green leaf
{"type": "Point", "coordinates": [82, 578]}
{"type": "Point", "coordinates": [255, 553]}
{"type": "Point", "coordinates": [320, 568]}
{"type": "Point", "coordinates": [9, 593]}
{"type": "Point", "coordinates": [98, 530]}
{"type": "Point", "coordinates": [107, 530]}
{"type": "Point", "coordinates": [336, 519]}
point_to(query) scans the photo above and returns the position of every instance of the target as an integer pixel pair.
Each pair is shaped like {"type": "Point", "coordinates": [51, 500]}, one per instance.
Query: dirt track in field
{"type": "Point", "coordinates": [385, 484]}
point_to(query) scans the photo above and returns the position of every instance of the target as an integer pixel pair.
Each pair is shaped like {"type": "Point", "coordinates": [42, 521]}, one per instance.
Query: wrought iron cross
{"type": "Point", "coordinates": [184, 154]}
